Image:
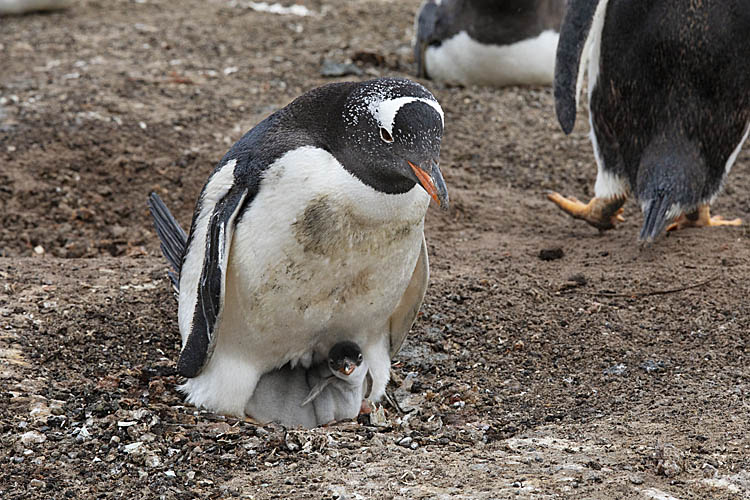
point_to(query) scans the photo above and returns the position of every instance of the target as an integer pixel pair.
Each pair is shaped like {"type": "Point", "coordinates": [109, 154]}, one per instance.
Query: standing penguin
{"type": "Point", "coordinates": [326, 392]}
{"type": "Point", "coordinates": [309, 232]}
{"type": "Point", "coordinates": [669, 101]}
{"type": "Point", "coordinates": [488, 42]}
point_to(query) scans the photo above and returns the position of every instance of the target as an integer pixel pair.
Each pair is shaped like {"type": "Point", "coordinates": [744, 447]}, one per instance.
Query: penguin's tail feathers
{"type": "Point", "coordinates": [173, 239]}
{"type": "Point", "coordinates": [658, 212]}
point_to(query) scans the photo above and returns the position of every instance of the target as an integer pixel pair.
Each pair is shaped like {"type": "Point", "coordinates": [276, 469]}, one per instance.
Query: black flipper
{"type": "Point", "coordinates": [211, 285]}
{"type": "Point", "coordinates": [574, 32]}
{"type": "Point", "coordinates": [171, 236]}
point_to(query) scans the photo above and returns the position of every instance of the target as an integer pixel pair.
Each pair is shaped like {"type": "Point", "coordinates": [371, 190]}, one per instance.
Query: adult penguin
{"type": "Point", "coordinates": [669, 104]}
{"type": "Point", "coordinates": [488, 42]}
{"type": "Point", "coordinates": [309, 232]}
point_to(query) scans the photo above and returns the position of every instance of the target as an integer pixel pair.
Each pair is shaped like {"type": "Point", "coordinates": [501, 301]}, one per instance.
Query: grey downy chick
{"type": "Point", "coordinates": [327, 391]}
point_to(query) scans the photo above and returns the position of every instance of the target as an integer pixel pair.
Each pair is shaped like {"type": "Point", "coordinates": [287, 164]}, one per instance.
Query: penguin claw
{"type": "Point", "coordinates": [602, 213]}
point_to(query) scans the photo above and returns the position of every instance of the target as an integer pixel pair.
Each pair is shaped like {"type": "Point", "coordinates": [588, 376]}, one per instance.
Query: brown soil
{"type": "Point", "coordinates": [598, 374]}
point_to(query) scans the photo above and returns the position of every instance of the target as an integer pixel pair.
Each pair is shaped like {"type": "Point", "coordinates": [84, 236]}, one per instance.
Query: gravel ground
{"type": "Point", "coordinates": [549, 361]}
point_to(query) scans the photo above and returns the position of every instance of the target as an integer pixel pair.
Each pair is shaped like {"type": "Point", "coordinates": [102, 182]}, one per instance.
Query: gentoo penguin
{"type": "Point", "coordinates": [24, 6]}
{"type": "Point", "coordinates": [669, 101]}
{"type": "Point", "coordinates": [488, 42]}
{"type": "Point", "coordinates": [310, 231]}
{"type": "Point", "coordinates": [327, 391]}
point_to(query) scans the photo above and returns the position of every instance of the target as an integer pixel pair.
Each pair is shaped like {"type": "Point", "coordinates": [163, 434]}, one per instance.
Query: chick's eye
{"type": "Point", "coordinates": [385, 135]}
{"type": "Point", "coordinates": [359, 357]}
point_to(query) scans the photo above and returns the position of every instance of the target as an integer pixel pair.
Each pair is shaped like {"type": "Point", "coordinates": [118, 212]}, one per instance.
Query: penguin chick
{"type": "Point", "coordinates": [308, 397]}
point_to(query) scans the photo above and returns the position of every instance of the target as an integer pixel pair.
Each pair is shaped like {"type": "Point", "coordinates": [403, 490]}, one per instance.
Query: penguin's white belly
{"type": "Point", "coordinates": [327, 276]}
{"type": "Point", "coordinates": [318, 257]}
{"type": "Point", "coordinates": [463, 60]}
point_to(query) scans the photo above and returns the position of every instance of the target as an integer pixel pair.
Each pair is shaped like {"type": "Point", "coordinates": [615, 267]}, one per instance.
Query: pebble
{"type": "Point", "coordinates": [153, 461]}
{"type": "Point", "coordinates": [37, 483]}
{"type": "Point", "coordinates": [33, 437]}
{"type": "Point", "coordinates": [618, 369]}
{"type": "Point", "coordinates": [405, 441]}
{"type": "Point", "coordinates": [132, 447]}
{"type": "Point", "coordinates": [635, 479]}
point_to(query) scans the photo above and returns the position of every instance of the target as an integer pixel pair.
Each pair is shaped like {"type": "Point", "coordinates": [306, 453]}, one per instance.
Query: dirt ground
{"type": "Point", "coordinates": [609, 371]}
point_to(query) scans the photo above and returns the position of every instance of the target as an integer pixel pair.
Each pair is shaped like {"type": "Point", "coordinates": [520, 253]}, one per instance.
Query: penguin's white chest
{"type": "Point", "coordinates": [319, 257]}
{"type": "Point", "coordinates": [463, 60]}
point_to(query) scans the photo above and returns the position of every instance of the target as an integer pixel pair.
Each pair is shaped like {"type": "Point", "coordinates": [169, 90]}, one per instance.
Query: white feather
{"type": "Point", "coordinates": [385, 110]}
{"type": "Point", "coordinates": [463, 60]}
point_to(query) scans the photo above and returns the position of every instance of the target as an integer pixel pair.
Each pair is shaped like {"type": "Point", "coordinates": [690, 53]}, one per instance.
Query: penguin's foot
{"type": "Point", "coordinates": [252, 421]}
{"type": "Point", "coordinates": [602, 213]}
{"type": "Point", "coordinates": [701, 218]}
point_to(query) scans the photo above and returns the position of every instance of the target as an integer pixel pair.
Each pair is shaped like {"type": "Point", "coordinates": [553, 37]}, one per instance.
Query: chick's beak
{"type": "Point", "coordinates": [431, 179]}
{"type": "Point", "coordinates": [347, 368]}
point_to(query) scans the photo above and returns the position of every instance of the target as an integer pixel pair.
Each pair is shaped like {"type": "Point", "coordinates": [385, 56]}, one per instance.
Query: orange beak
{"type": "Point", "coordinates": [432, 182]}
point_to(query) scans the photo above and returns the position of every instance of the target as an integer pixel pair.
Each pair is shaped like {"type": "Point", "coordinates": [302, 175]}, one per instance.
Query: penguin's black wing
{"type": "Point", "coordinates": [425, 27]}
{"type": "Point", "coordinates": [211, 284]}
{"type": "Point", "coordinates": [575, 34]}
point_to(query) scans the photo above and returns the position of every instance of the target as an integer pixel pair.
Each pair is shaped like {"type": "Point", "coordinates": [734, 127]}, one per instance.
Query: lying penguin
{"type": "Point", "coordinates": [669, 101]}
{"type": "Point", "coordinates": [326, 392]}
{"type": "Point", "coordinates": [488, 42]}
{"type": "Point", "coordinates": [309, 232]}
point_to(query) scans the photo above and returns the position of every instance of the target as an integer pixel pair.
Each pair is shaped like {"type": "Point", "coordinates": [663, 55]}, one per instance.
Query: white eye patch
{"type": "Point", "coordinates": [385, 111]}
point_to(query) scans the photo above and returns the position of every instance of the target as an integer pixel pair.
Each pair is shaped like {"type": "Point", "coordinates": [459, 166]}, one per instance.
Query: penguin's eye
{"type": "Point", "coordinates": [385, 135]}
{"type": "Point", "coordinates": [359, 358]}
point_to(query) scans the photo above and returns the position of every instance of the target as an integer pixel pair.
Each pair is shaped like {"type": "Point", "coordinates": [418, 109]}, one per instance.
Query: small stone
{"type": "Point", "coordinates": [333, 69]}
{"type": "Point", "coordinates": [83, 434]}
{"type": "Point", "coordinates": [635, 479]}
{"type": "Point", "coordinates": [618, 369]}
{"type": "Point", "coordinates": [153, 461]}
{"type": "Point", "coordinates": [651, 366]}
{"type": "Point", "coordinates": [37, 483]}
{"type": "Point", "coordinates": [548, 254]}
{"type": "Point", "coordinates": [708, 470]}
{"type": "Point", "coordinates": [170, 473]}
{"type": "Point", "coordinates": [406, 441]}
{"type": "Point", "coordinates": [39, 249]}
{"type": "Point", "coordinates": [33, 437]}
{"type": "Point", "coordinates": [133, 447]}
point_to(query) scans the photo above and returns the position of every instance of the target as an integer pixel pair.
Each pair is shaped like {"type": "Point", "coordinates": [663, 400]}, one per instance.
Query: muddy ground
{"type": "Point", "coordinates": [610, 372]}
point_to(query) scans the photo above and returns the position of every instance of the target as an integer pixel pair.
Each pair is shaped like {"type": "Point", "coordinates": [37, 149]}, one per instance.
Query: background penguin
{"type": "Point", "coordinates": [488, 42]}
{"type": "Point", "coordinates": [309, 232]}
{"type": "Point", "coordinates": [328, 391]}
{"type": "Point", "coordinates": [669, 101]}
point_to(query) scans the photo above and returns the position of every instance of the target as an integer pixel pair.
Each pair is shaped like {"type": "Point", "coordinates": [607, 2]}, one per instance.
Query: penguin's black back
{"type": "Point", "coordinates": [674, 80]}
{"type": "Point", "coordinates": [496, 22]}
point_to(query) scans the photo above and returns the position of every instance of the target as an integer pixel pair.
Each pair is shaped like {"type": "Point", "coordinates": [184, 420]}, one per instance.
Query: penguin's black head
{"type": "Point", "coordinates": [392, 128]}
{"type": "Point", "coordinates": [344, 357]}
